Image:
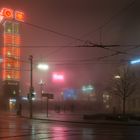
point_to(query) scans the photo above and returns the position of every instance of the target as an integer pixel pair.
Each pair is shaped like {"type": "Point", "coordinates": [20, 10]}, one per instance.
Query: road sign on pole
{"type": "Point", "coordinates": [48, 95]}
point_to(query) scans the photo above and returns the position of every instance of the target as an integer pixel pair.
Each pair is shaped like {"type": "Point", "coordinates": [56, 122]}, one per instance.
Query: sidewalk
{"type": "Point", "coordinates": [67, 117]}
{"type": "Point", "coordinates": [77, 118]}
{"type": "Point", "coordinates": [57, 116]}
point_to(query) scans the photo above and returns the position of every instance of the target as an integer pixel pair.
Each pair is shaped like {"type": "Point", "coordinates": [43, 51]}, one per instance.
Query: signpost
{"type": "Point", "coordinates": [48, 96]}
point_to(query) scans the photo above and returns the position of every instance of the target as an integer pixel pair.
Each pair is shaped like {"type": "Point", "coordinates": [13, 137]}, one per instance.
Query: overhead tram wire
{"type": "Point", "coordinates": [75, 61]}
{"type": "Point", "coordinates": [112, 18]}
{"type": "Point", "coordinates": [81, 40]}
{"type": "Point", "coordinates": [79, 61]}
{"type": "Point", "coordinates": [52, 31]}
{"type": "Point", "coordinates": [108, 21]}
{"type": "Point", "coordinates": [78, 64]}
{"type": "Point", "coordinates": [78, 39]}
{"type": "Point", "coordinates": [79, 46]}
{"type": "Point", "coordinates": [89, 63]}
{"type": "Point", "coordinates": [71, 37]}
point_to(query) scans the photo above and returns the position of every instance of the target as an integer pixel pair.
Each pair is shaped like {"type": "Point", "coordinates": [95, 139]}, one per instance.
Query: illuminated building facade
{"type": "Point", "coordinates": [11, 55]}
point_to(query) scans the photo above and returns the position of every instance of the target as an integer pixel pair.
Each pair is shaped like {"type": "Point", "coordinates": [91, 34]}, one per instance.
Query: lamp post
{"type": "Point", "coordinates": [31, 86]}
{"type": "Point", "coordinates": [41, 83]}
{"type": "Point", "coordinates": [43, 67]}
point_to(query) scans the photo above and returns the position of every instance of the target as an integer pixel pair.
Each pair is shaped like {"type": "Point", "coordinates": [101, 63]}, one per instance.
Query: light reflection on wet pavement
{"type": "Point", "coordinates": [14, 128]}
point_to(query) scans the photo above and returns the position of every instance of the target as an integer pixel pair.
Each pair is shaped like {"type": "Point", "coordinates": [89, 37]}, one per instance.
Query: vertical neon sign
{"type": "Point", "coordinates": [11, 50]}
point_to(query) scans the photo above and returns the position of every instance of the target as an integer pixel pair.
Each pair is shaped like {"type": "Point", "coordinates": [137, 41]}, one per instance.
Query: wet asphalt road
{"type": "Point", "coordinates": [15, 128]}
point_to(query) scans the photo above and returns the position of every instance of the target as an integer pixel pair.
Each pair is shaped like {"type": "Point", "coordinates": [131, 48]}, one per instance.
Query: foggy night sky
{"type": "Point", "coordinates": [77, 18]}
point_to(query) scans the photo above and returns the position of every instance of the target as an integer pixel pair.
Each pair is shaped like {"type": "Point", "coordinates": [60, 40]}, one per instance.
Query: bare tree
{"type": "Point", "coordinates": [124, 85]}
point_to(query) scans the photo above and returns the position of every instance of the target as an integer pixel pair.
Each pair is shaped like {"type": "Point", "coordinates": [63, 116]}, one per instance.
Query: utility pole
{"type": "Point", "coordinates": [31, 86]}
{"type": "Point", "coordinates": [47, 111]}
{"type": "Point", "coordinates": [41, 92]}
{"type": "Point", "coordinates": [41, 87]}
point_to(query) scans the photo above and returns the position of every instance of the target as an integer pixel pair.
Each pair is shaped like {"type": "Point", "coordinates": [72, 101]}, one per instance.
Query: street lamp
{"type": "Point", "coordinates": [43, 66]}
{"type": "Point", "coordinates": [31, 86]}
{"type": "Point", "coordinates": [41, 83]}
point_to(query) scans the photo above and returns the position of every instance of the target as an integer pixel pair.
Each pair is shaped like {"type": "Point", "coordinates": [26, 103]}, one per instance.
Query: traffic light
{"type": "Point", "coordinates": [32, 95]}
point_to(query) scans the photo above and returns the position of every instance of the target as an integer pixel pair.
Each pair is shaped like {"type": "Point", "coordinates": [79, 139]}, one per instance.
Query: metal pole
{"type": "Point", "coordinates": [41, 92]}
{"type": "Point", "coordinates": [31, 86]}
{"type": "Point", "coordinates": [47, 107]}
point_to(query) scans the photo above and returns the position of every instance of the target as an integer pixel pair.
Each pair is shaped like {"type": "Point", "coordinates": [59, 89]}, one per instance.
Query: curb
{"type": "Point", "coordinates": [87, 122]}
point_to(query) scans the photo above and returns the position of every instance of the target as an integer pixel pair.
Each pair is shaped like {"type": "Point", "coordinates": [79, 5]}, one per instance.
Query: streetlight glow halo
{"type": "Point", "coordinates": [43, 66]}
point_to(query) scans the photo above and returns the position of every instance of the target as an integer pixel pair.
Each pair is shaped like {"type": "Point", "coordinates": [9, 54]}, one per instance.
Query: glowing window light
{"type": "Point", "coordinates": [9, 30]}
{"type": "Point", "coordinates": [19, 16]}
{"type": "Point", "coordinates": [9, 65]}
{"type": "Point", "coordinates": [16, 39]}
{"type": "Point", "coordinates": [8, 76]}
{"type": "Point", "coordinates": [16, 28]}
{"type": "Point", "coordinates": [9, 53]}
{"type": "Point", "coordinates": [7, 13]}
{"type": "Point", "coordinates": [24, 98]}
{"type": "Point", "coordinates": [90, 87]}
{"type": "Point", "coordinates": [117, 76]}
{"type": "Point", "coordinates": [7, 39]}
{"type": "Point", "coordinates": [12, 100]}
{"type": "Point", "coordinates": [84, 88]}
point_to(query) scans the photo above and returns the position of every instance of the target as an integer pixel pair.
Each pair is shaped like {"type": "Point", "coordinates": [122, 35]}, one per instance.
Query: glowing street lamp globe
{"type": "Point", "coordinates": [43, 66]}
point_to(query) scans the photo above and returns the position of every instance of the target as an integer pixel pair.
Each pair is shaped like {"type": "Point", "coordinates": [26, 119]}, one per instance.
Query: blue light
{"type": "Point", "coordinates": [69, 94]}
{"type": "Point", "coordinates": [135, 61]}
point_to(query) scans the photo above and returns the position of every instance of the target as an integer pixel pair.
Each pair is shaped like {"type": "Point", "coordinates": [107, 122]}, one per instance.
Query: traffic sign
{"type": "Point", "coordinates": [48, 95]}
